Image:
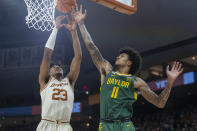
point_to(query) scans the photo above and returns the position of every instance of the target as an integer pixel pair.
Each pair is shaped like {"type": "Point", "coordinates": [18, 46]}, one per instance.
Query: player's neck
{"type": "Point", "coordinates": [58, 77]}
{"type": "Point", "coordinates": [122, 70]}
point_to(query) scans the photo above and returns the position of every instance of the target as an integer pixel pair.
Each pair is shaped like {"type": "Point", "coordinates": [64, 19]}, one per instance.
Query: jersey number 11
{"type": "Point", "coordinates": [115, 92]}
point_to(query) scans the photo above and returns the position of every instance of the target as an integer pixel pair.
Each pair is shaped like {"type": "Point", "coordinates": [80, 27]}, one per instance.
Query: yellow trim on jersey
{"type": "Point", "coordinates": [135, 95]}
{"type": "Point", "coordinates": [100, 126]}
{"type": "Point", "coordinates": [128, 125]}
{"type": "Point", "coordinates": [123, 74]}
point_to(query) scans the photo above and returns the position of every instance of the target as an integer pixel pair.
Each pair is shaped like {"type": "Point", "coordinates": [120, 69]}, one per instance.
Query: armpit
{"type": "Point", "coordinates": [103, 71]}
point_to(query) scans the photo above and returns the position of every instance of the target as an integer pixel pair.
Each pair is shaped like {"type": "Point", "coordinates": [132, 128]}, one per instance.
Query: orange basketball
{"type": "Point", "coordinates": [65, 6]}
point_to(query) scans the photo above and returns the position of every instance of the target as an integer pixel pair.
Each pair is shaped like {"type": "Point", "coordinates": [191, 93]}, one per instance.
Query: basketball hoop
{"type": "Point", "coordinates": [40, 14]}
{"type": "Point", "coordinates": [124, 6]}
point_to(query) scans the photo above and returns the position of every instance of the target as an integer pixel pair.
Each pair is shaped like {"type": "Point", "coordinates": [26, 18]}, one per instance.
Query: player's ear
{"type": "Point", "coordinates": [50, 71]}
{"type": "Point", "coordinates": [129, 63]}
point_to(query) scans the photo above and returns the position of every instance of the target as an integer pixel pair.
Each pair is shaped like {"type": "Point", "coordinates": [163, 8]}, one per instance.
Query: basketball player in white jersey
{"type": "Point", "coordinates": [57, 94]}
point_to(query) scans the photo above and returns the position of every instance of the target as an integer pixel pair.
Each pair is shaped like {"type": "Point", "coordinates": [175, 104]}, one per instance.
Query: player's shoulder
{"type": "Point", "coordinates": [105, 68]}
{"type": "Point", "coordinates": [44, 85]}
{"type": "Point", "coordinates": [65, 79]}
{"type": "Point", "coordinates": [138, 82]}
{"type": "Point", "coordinates": [123, 75]}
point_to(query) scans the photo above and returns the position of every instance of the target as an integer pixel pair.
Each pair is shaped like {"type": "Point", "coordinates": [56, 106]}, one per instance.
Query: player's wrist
{"type": "Point", "coordinates": [81, 23]}
{"type": "Point", "coordinates": [170, 82]}
{"type": "Point", "coordinates": [51, 41]}
{"type": "Point", "coordinates": [58, 27]}
{"type": "Point", "coordinates": [73, 32]}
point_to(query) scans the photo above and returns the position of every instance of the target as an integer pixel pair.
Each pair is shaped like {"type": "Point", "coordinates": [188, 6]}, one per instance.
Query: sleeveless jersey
{"type": "Point", "coordinates": [117, 95]}
{"type": "Point", "coordinates": [57, 100]}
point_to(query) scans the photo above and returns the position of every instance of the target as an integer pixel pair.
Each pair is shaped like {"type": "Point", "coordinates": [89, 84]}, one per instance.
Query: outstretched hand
{"type": "Point", "coordinates": [72, 25]}
{"type": "Point", "coordinates": [78, 15]}
{"type": "Point", "coordinates": [58, 21]}
{"type": "Point", "coordinates": [175, 71]}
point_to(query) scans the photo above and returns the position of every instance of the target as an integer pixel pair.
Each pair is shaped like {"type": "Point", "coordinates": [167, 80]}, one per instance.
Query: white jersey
{"type": "Point", "coordinates": [57, 100]}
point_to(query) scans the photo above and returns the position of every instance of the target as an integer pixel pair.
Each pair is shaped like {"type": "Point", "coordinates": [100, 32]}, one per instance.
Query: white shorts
{"type": "Point", "coordinates": [52, 126]}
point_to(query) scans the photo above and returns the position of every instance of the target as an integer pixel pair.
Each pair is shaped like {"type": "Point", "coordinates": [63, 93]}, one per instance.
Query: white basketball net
{"type": "Point", "coordinates": [41, 14]}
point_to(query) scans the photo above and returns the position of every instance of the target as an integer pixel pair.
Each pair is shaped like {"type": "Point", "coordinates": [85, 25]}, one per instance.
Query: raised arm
{"type": "Point", "coordinates": [149, 95]}
{"type": "Point", "coordinates": [45, 65]}
{"type": "Point", "coordinates": [102, 65]}
{"type": "Point", "coordinates": [97, 57]}
{"type": "Point", "coordinates": [76, 61]}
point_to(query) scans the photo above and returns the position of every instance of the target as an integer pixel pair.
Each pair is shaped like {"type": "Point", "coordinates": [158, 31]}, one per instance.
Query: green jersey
{"type": "Point", "coordinates": [117, 95]}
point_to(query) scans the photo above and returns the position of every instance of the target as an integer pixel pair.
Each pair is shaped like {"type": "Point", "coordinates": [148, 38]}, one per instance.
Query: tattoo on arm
{"type": "Point", "coordinates": [163, 97]}
{"type": "Point", "coordinates": [96, 55]}
{"type": "Point", "coordinates": [152, 97]}
{"type": "Point", "coordinates": [93, 50]}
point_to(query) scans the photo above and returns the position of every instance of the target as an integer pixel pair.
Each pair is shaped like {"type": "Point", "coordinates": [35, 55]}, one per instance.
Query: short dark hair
{"type": "Point", "coordinates": [135, 57]}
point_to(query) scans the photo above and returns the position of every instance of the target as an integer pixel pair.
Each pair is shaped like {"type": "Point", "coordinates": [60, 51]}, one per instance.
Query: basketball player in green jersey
{"type": "Point", "coordinates": [119, 85]}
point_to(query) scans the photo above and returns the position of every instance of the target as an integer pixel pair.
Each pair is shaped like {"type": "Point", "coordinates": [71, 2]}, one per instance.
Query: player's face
{"type": "Point", "coordinates": [56, 70]}
{"type": "Point", "coordinates": [122, 60]}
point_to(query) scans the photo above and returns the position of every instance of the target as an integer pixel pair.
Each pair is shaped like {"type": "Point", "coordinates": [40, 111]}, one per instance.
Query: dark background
{"type": "Point", "coordinates": [162, 31]}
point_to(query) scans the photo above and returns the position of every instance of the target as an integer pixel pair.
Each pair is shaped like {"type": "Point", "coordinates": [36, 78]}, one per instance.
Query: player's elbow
{"type": "Point", "coordinates": [87, 41]}
{"type": "Point", "coordinates": [161, 105]}
{"type": "Point", "coordinates": [78, 56]}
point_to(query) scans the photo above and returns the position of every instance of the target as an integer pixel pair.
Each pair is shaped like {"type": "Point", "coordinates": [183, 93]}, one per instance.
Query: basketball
{"type": "Point", "coordinates": [65, 6]}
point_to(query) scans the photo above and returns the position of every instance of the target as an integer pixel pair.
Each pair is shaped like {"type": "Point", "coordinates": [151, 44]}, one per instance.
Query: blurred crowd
{"type": "Point", "coordinates": [177, 120]}
{"type": "Point", "coordinates": [184, 119]}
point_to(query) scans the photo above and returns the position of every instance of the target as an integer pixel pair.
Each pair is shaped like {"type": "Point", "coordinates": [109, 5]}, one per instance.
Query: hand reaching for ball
{"type": "Point", "coordinates": [72, 25]}
{"type": "Point", "coordinates": [58, 21]}
{"type": "Point", "coordinates": [78, 15]}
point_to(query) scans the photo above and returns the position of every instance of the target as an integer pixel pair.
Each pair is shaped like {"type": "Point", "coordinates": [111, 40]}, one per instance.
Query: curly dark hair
{"type": "Point", "coordinates": [135, 57]}
{"type": "Point", "coordinates": [53, 64]}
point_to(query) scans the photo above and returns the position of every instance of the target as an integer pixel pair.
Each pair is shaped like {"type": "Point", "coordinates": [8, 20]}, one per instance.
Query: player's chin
{"type": "Point", "coordinates": [59, 74]}
{"type": "Point", "coordinates": [116, 64]}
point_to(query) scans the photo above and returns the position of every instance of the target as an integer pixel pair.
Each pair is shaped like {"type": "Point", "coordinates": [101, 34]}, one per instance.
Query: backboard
{"type": "Point", "coordinates": [124, 6]}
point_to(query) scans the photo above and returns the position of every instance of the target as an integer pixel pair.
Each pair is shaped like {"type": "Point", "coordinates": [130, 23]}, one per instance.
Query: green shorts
{"type": "Point", "coordinates": [116, 126]}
